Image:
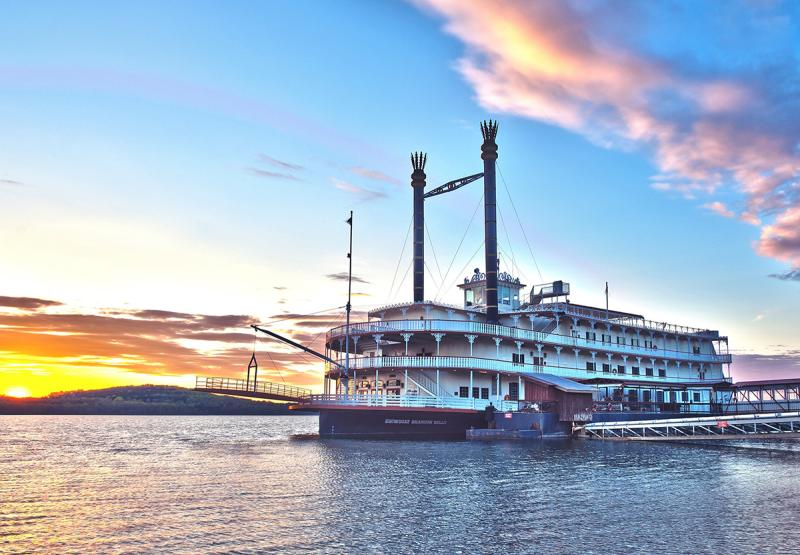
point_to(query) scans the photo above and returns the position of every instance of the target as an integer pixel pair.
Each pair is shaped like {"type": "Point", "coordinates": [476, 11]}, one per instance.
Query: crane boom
{"type": "Point", "coordinates": [296, 344]}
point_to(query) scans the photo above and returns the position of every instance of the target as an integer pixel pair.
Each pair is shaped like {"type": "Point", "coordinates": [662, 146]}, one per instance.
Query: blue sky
{"type": "Point", "coordinates": [202, 158]}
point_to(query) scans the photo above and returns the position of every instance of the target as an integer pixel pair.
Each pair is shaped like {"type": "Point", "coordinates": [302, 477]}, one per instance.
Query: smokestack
{"type": "Point", "coordinates": [418, 160]}
{"type": "Point", "coordinates": [489, 156]}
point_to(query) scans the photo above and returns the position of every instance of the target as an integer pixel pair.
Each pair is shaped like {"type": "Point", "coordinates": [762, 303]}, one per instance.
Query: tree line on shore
{"type": "Point", "coordinates": [143, 399]}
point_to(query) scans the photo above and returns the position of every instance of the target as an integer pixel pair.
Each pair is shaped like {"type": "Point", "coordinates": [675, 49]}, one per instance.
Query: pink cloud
{"type": "Point", "coordinates": [781, 239]}
{"type": "Point", "coordinates": [707, 130]}
{"type": "Point", "coordinates": [719, 208]}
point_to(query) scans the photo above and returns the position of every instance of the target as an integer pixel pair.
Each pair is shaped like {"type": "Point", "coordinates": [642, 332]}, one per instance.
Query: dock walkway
{"type": "Point", "coordinates": [779, 425]}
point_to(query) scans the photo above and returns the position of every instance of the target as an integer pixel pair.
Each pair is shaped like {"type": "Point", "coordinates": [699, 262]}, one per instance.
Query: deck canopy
{"type": "Point", "coordinates": [562, 384]}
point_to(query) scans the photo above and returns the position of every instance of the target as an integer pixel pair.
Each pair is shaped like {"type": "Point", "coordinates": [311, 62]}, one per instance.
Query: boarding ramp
{"type": "Point", "coordinates": [779, 425]}
{"type": "Point", "coordinates": [252, 389]}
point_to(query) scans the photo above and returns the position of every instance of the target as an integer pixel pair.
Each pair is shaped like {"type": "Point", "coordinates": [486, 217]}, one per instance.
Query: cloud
{"type": "Point", "coordinates": [729, 121]}
{"type": "Point", "coordinates": [75, 343]}
{"type": "Point", "coordinates": [11, 182]}
{"type": "Point", "coordinates": [280, 163]}
{"type": "Point", "coordinates": [781, 239]}
{"type": "Point", "coordinates": [747, 367]}
{"type": "Point", "coordinates": [375, 175]}
{"type": "Point", "coordinates": [272, 175]}
{"type": "Point", "coordinates": [342, 276]}
{"type": "Point", "coordinates": [719, 208]}
{"type": "Point", "coordinates": [792, 275]}
{"type": "Point", "coordinates": [362, 192]}
{"type": "Point", "coordinates": [26, 302]}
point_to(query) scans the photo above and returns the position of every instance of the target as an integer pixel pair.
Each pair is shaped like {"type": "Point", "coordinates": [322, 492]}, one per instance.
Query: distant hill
{"type": "Point", "coordinates": [142, 399]}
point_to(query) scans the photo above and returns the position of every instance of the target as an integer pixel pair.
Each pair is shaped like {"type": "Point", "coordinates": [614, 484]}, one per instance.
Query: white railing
{"type": "Point", "coordinates": [474, 363]}
{"type": "Point", "coordinates": [269, 389]}
{"type": "Point", "coordinates": [519, 334]}
{"type": "Point", "coordinates": [412, 401]}
{"type": "Point", "coordinates": [627, 321]}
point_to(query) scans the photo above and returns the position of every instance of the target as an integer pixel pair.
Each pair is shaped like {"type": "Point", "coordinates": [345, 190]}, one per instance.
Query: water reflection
{"type": "Point", "coordinates": [238, 484]}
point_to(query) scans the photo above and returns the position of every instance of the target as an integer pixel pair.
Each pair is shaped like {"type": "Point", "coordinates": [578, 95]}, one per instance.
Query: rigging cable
{"type": "Point", "coordinates": [433, 250]}
{"type": "Point", "coordinates": [458, 249]}
{"type": "Point", "coordinates": [430, 273]}
{"type": "Point", "coordinates": [399, 260]}
{"type": "Point", "coordinates": [299, 316]}
{"type": "Point", "coordinates": [400, 286]}
{"type": "Point", "coordinates": [508, 238]}
{"type": "Point", "coordinates": [469, 260]}
{"type": "Point", "coordinates": [525, 235]}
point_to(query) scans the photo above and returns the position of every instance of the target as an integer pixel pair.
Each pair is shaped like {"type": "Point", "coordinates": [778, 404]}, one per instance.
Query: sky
{"type": "Point", "coordinates": [172, 172]}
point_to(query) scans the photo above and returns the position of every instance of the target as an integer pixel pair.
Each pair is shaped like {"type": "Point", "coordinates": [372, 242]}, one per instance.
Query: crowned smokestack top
{"type": "Point", "coordinates": [489, 156]}
{"type": "Point", "coordinates": [418, 160]}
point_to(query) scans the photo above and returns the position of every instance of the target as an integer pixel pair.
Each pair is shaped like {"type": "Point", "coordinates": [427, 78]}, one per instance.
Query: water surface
{"type": "Point", "coordinates": [140, 484]}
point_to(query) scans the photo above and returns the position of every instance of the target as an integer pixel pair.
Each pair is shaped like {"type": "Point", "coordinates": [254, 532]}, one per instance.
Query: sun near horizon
{"type": "Point", "coordinates": [18, 391]}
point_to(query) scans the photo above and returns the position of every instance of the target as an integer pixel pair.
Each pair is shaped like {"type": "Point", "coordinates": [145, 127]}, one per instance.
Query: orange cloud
{"type": "Point", "coordinates": [46, 347]}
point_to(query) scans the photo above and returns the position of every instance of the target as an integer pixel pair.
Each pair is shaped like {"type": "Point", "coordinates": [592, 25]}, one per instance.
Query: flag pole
{"type": "Point", "coordinates": [606, 300]}
{"type": "Point", "coordinates": [347, 308]}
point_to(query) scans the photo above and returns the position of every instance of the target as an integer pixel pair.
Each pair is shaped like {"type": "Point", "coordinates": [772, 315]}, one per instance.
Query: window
{"type": "Point", "coordinates": [633, 395]}
{"type": "Point", "coordinates": [635, 370]}
{"type": "Point", "coordinates": [696, 397]}
{"type": "Point", "coordinates": [513, 391]}
{"type": "Point", "coordinates": [606, 338]}
{"type": "Point", "coordinates": [469, 297]}
{"type": "Point", "coordinates": [576, 333]}
{"type": "Point", "coordinates": [518, 358]}
{"type": "Point", "coordinates": [476, 392]}
{"type": "Point", "coordinates": [648, 371]}
{"type": "Point", "coordinates": [538, 361]}
{"type": "Point", "coordinates": [620, 340]}
{"type": "Point", "coordinates": [662, 373]}
{"type": "Point", "coordinates": [463, 391]}
{"type": "Point", "coordinates": [646, 395]}
{"type": "Point", "coordinates": [606, 367]}
{"type": "Point", "coordinates": [696, 350]}
{"type": "Point", "coordinates": [659, 396]}
{"type": "Point", "coordinates": [590, 366]}
{"type": "Point", "coordinates": [634, 342]}
{"type": "Point", "coordinates": [494, 386]}
{"type": "Point", "coordinates": [620, 369]}
{"type": "Point", "coordinates": [591, 336]}
{"type": "Point", "coordinates": [648, 343]}
{"type": "Point", "coordinates": [505, 294]}
{"type": "Point", "coordinates": [484, 393]}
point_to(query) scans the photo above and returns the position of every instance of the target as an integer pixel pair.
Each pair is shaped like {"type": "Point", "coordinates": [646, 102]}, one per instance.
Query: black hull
{"type": "Point", "coordinates": [380, 423]}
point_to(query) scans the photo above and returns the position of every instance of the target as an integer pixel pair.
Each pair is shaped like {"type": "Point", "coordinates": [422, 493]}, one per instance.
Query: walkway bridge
{"type": "Point", "coordinates": [253, 389]}
{"type": "Point", "coordinates": [779, 425]}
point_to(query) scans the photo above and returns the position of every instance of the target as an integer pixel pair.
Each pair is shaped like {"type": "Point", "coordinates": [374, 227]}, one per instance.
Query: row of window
{"type": "Point", "coordinates": [660, 396]}
{"type": "Point", "coordinates": [634, 341]}
{"type": "Point", "coordinates": [483, 392]}
{"type": "Point", "coordinates": [620, 369]}
{"type": "Point", "coordinates": [477, 392]}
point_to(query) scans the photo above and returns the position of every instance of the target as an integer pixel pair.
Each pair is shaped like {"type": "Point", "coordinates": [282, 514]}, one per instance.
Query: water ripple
{"type": "Point", "coordinates": [240, 485]}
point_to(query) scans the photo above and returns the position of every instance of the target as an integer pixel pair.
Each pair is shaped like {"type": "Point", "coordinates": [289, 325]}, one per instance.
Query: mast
{"type": "Point", "coordinates": [347, 308]}
{"type": "Point", "coordinates": [418, 160]}
{"type": "Point", "coordinates": [489, 156]}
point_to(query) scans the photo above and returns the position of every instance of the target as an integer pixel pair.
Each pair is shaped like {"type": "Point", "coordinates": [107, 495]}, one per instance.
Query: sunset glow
{"type": "Point", "coordinates": [160, 196]}
{"type": "Point", "coordinates": [18, 391]}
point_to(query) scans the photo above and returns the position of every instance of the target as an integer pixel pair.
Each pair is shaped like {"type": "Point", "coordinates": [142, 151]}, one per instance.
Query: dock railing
{"type": "Point", "coordinates": [270, 390]}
